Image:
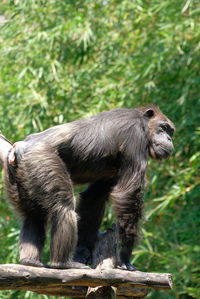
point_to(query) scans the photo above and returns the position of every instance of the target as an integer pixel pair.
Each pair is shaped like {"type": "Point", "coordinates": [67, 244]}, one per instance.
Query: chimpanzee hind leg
{"type": "Point", "coordinates": [90, 211]}
{"type": "Point", "coordinates": [47, 182]}
{"type": "Point", "coordinates": [32, 239]}
{"type": "Point", "coordinates": [63, 238]}
{"type": "Point", "coordinates": [64, 233]}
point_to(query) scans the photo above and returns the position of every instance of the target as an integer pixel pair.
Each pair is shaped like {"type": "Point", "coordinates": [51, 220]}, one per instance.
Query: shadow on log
{"type": "Point", "coordinates": [104, 281]}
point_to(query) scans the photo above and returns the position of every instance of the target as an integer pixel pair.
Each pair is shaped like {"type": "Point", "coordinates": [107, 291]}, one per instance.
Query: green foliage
{"type": "Point", "coordinates": [61, 60]}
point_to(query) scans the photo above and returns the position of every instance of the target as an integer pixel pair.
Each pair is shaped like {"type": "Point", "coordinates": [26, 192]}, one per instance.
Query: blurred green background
{"type": "Point", "coordinates": [62, 60]}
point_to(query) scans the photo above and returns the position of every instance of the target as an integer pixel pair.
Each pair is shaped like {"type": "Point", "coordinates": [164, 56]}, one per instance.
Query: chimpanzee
{"type": "Point", "coordinates": [108, 151]}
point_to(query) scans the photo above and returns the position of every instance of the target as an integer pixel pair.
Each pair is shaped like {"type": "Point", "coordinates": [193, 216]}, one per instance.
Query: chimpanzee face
{"type": "Point", "coordinates": [161, 145]}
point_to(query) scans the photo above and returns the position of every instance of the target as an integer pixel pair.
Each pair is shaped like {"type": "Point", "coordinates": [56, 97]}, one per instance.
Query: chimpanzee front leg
{"type": "Point", "coordinates": [129, 211]}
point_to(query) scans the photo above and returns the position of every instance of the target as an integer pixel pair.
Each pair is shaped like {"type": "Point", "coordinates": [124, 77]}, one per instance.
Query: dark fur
{"type": "Point", "coordinates": [109, 151]}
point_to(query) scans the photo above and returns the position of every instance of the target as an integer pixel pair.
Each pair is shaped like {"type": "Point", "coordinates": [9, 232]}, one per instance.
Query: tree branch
{"type": "Point", "coordinates": [46, 281]}
{"type": "Point", "coordinates": [5, 146]}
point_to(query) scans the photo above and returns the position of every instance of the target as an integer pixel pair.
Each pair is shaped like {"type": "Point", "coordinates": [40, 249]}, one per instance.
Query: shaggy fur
{"type": "Point", "coordinates": [109, 151]}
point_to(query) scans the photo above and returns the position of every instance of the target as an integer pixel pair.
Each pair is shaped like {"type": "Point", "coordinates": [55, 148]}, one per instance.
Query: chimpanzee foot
{"type": "Point", "coordinates": [127, 266]}
{"type": "Point", "coordinates": [69, 265]}
{"type": "Point", "coordinates": [33, 263]}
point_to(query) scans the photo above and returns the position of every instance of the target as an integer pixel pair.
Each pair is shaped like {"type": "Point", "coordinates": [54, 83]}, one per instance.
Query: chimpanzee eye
{"type": "Point", "coordinates": [168, 129]}
{"type": "Point", "coordinates": [164, 127]}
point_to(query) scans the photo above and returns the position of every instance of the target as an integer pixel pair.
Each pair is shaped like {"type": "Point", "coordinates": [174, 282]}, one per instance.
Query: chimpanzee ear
{"type": "Point", "coordinates": [149, 113]}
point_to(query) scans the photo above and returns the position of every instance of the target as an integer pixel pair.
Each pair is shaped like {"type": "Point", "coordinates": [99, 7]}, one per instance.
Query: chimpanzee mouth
{"type": "Point", "coordinates": [158, 152]}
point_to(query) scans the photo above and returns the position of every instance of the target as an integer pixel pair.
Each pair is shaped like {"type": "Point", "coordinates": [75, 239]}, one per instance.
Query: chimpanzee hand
{"type": "Point", "coordinates": [125, 255]}
{"type": "Point", "coordinates": [127, 266]}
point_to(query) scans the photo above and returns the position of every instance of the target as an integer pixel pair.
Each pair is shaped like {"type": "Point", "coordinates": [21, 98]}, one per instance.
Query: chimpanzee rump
{"type": "Point", "coordinates": [109, 151]}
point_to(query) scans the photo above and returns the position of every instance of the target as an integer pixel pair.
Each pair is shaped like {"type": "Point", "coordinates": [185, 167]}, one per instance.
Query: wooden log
{"type": "Point", "coordinates": [19, 277]}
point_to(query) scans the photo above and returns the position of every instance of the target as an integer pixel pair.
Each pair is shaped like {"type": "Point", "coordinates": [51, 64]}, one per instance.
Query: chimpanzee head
{"type": "Point", "coordinates": [161, 130]}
